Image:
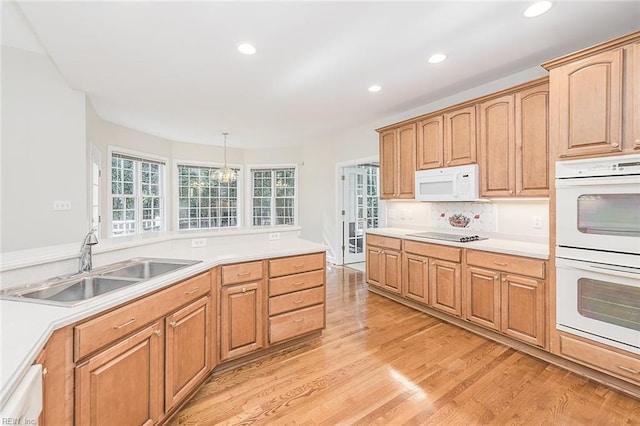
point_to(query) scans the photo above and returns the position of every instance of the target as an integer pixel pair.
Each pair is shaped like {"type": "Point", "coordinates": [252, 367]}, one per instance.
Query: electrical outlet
{"type": "Point", "coordinates": [198, 242]}
{"type": "Point", "coordinates": [536, 222]}
{"type": "Point", "coordinates": [59, 205]}
{"type": "Point", "coordinates": [274, 236]}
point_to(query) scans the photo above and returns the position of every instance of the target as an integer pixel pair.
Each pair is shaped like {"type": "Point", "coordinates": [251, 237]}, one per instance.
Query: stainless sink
{"type": "Point", "coordinates": [145, 269]}
{"type": "Point", "coordinates": [70, 291]}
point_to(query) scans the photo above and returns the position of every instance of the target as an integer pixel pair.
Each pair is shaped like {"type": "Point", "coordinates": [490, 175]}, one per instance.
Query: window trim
{"type": "Point", "coordinates": [249, 192]}
{"type": "Point", "coordinates": [214, 165]}
{"type": "Point", "coordinates": [112, 149]}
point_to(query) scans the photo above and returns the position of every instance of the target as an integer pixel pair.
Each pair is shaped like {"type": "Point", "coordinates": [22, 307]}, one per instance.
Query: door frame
{"type": "Point", "coordinates": [339, 203]}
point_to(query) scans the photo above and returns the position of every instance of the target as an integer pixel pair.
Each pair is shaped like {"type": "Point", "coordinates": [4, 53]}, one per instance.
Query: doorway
{"type": "Point", "coordinates": [359, 209]}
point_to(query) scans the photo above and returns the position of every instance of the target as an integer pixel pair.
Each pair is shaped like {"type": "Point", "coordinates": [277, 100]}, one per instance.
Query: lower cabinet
{"type": "Point", "coordinates": [241, 322]}
{"type": "Point", "coordinates": [384, 263]}
{"type": "Point", "coordinates": [445, 285]}
{"type": "Point", "coordinates": [499, 296]}
{"type": "Point", "coordinates": [123, 384]}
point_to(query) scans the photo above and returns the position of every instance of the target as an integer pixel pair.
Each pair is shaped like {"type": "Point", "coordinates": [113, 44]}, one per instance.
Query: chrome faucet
{"type": "Point", "coordinates": [86, 263]}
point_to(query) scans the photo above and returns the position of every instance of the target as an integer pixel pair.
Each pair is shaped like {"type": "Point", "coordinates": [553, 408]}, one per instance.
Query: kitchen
{"type": "Point", "coordinates": [25, 238]}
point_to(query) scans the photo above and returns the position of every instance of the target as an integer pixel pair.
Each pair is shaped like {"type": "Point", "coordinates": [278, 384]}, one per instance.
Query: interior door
{"type": "Point", "coordinates": [354, 214]}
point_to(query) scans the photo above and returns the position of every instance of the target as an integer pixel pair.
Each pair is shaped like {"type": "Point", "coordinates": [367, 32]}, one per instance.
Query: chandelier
{"type": "Point", "coordinates": [225, 174]}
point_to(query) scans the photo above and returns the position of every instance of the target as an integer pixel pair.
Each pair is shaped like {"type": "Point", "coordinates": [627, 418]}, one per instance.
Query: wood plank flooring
{"type": "Point", "coordinates": [381, 363]}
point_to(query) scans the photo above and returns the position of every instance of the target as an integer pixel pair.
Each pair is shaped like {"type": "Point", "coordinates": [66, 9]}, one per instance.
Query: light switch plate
{"type": "Point", "coordinates": [198, 242]}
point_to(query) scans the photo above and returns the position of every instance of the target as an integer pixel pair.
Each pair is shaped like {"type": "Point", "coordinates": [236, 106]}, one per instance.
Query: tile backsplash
{"type": "Point", "coordinates": [507, 217]}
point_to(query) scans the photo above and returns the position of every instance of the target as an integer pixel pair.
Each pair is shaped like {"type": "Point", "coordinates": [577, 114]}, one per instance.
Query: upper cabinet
{"type": "Point", "coordinates": [513, 139]}
{"type": "Point", "coordinates": [594, 99]}
{"type": "Point", "coordinates": [430, 144]}
{"type": "Point", "coordinates": [397, 162]}
{"type": "Point", "coordinates": [460, 136]}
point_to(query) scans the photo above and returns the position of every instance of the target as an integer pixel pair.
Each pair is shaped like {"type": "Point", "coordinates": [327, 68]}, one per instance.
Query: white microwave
{"type": "Point", "coordinates": [448, 184]}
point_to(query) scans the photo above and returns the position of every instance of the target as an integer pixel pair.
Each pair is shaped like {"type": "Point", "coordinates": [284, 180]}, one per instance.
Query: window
{"type": "Point", "coordinates": [136, 195]}
{"type": "Point", "coordinates": [372, 194]}
{"type": "Point", "coordinates": [273, 200]}
{"type": "Point", "coordinates": [205, 202]}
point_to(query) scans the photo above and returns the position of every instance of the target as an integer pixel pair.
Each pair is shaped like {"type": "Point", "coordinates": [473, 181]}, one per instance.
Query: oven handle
{"type": "Point", "coordinates": [597, 181]}
{"type": "Point", "coordinates": [619, 271]}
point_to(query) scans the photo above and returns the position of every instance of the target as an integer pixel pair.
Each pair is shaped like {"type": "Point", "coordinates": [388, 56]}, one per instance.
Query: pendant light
{"type": "Point", "coordinates": [225, 174]}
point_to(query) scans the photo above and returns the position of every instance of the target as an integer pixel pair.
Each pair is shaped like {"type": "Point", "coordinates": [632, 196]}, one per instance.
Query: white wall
{"type": "Point", "coordinates": [42, 156]}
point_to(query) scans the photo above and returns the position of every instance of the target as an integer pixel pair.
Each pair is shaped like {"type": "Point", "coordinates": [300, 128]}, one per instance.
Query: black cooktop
{"type": "Point", "coordinates": [448, 237]}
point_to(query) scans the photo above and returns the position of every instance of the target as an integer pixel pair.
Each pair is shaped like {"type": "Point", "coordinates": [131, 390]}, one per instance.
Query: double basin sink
{"type": "Point", "coordinates": [75, 289]}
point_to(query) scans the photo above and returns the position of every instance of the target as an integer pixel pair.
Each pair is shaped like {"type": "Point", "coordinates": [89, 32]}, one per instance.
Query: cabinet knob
{"type": "Point", "coordinates": [615, 144]}
{"type": "Point", "coordinates": [504, 280]}
{"type": "Point", "coordinates": [44, 371]}
{"type": "Point", "coordinates": [495, 277]}
{"type": "Point", "coordinates": [158, 332]}
{"type": "Point", "coordinates": [173, 323]}
{"type": "Point", "coordinates": [511, 191]}
{"type": "Point", "coordinates": [637, 142]}
{"type": "Point", "coordinates": [433, 263]}
{"type": "Point", "coordinates": [244, 289]}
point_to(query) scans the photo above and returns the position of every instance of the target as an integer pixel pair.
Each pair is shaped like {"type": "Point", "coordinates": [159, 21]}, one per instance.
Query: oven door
{"type": "Point", "coordinates": [599, 213]}
{"type": "Point", "coordinates": [599, 301]}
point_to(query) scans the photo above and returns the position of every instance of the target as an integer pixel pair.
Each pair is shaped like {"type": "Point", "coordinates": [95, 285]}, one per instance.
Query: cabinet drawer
{"type": "Point", "coordinates": [386, 242]}
{"type": "Point", "coordinates": [437, 251]}
{"type": "Point", "coordinates": [295, 282]}
{"type": "Point", "coordinates": [296, 323]}
{"type": "Point", "coordinates": [296, 264]}
{"type": "Point", "coordinates": [601, 358]}
{"type": "Point", "coordinates": [296, 300]}
{"type": "Point", "coordinates": [91, 335]}
{"type": "Point", "coordinates": [506, 263]}
{"type": "Point", "coordinates": [241, 272]}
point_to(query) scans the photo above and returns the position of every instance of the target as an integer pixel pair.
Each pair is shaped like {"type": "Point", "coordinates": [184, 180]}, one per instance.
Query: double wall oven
{"type": "Point", "coordinates": [598, 249]}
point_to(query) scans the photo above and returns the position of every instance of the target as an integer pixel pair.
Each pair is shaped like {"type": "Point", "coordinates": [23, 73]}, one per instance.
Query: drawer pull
{"type": "Point", "coordinates": [242, 274]}
{"type": "Point", "coordinates": [296, 302]}
{"type": "Point", "coordinates": [298, 320]}
{"type": "Point", "coordinates": [173, 323]}
{"type": "Point", "coordinates": [500, 264]}
{"type": "Point", "coordinates": [193, 290]}
{"type": "Point", "coordinates": [298, 265]}
{"type": "Point", "coordinates": [131, 321]}
{"type": "Point", "coordinates": [298, 282]}
{"type": "Point", "coordinates": [627, 369]}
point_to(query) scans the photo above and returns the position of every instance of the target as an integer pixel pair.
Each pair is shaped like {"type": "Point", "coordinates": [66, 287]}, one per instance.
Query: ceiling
{"type": "Point", "coordinates": [172, 69]}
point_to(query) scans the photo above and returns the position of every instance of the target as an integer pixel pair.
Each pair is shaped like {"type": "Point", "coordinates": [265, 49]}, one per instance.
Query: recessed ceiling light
{"type": "Point", "coordinates": [247, 49]}
{"type": "Point", "coordinates": [375, 88]}
{"type": "Point", "coordinates": [537, 8]}
{"type": "Point", "coordinates": [437, 58]}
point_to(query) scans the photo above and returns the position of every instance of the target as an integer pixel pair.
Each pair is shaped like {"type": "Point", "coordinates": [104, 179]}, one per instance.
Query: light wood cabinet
{"type": "Point", "coordinates": [430, 143]}
{"type": "Point", "coordinates": [188, 350]}
{"type": "Point", "coordinates": [397, 162]}
{"type": "Point", "coordinates": [460, 136]}
{"type": "Point", "coordinates": [241, 319]}
{"type": "Point", "coordinates": [445, 286]}
{"type": "Point", "coordinates": [431, 275]}
{"type": "Point", "coordinates": [296, 296]}
{"type": "Point", "coordinates": [123, 384]}
{"type": "Point", "coordinates": [498, 296]}
{"type": "Point", "coordinates": [514, 144]}
{"type": "Point", "coordinates": [384, 263]}
{"type": "Point", "coordinates": [594, 99]}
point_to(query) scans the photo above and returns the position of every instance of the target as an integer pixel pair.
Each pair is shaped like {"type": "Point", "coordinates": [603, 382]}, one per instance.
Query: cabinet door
{"type": "Point", "coordinates": [497, 145]}
{"type": "Point", "coordinates": [635, 104]}
{"type": "Point", "coordinates": [392, 271]}
{"type": "Point", "coordinates": [122, 385]}
{"type": "Point", "coordinates": [523, 309]}
{"type": "Point", "coordinates": [445, 285]}
{"type": "Point", "coordinates": [532, 142]}
{"type": "Point", "coordinates": [241, 320]}
{"type": "Point", "coordinates": [187, 359]}
{"type": "Point", "coordinates": [415, 278]}
{"type": "Point", "coordinates": [406, 176]}
{"type": "Point", "coordinates": [374, 266]}
{"type": "Point", "coordinates": [589, 104]}
{"type": "Point", "coordinates": [460, 136]}
{"type": "Point", "coordinates": [482, 297]}
{"type": "Point", "coordinates": [430, 143]}
{"type": "Point", "coordinates": [388, 164]}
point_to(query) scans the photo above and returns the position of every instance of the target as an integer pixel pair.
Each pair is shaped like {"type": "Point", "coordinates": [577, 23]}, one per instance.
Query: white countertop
{"type": "Point", "coordinates": [25, 327]}
{"type": "Point", "coordinates": [498, 245]}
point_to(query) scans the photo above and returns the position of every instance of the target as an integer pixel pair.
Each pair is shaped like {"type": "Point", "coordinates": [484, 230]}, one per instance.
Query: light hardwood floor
{"type": "Point", "coordinates": [379, 362]}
